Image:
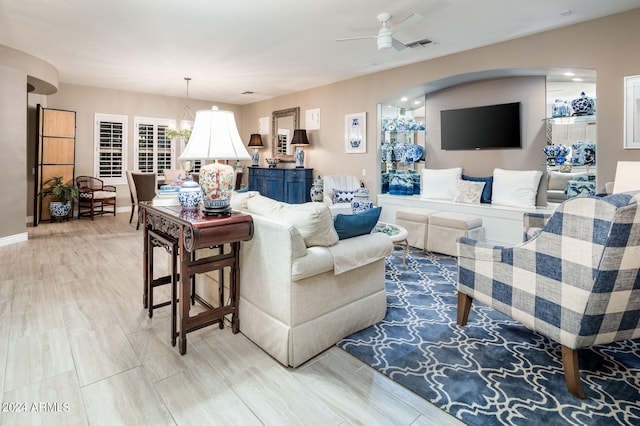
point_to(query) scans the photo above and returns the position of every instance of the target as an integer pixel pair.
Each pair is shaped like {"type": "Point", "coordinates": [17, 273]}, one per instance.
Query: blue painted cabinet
{"type": "Point", "coordinates": [289, 185]}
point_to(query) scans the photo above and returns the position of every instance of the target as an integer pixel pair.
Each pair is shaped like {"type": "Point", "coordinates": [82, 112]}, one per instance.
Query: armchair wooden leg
{"type": "Point", "coordinates": [464, 306]}
{"type": "Point", "coordinates": [133, 207]}
{"type": "Point", "coordinates": [572, 372]}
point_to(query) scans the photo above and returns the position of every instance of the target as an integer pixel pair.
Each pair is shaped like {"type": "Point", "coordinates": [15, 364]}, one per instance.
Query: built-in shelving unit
{"type": "Point", "coordinates": [401, 130]}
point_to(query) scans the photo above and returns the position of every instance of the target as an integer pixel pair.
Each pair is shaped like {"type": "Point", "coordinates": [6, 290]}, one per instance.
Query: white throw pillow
{"type": "Point", "coordinates": [515, 188]}
{"type": "Point", "coordinates": [312, 220]}
{"type": "Point", "coordinates": [469, 192]}
{"type": "Point", "coordinates": [440, 184]}
{"type": "Point", "coordinates": [239, 199]}
{"type": "Point", "coordinates": [264, 206]}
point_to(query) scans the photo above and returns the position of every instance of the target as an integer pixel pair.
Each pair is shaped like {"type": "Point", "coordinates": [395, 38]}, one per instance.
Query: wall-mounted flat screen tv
{"type": "Point", "coordinates": [485, 127]}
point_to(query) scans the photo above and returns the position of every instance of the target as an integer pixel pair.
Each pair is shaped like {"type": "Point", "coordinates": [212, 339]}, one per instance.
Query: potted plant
{"type": "Point", "coordinates": [63, 193]}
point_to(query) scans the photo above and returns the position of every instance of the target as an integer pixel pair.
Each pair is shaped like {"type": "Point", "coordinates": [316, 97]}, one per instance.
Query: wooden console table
{"type": "Point", "coordinates": [192, 230]}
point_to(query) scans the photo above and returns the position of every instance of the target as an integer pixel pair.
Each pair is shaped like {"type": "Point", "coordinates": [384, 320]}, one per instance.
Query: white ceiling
{"type": "Point", "coordinates": [268, 47]}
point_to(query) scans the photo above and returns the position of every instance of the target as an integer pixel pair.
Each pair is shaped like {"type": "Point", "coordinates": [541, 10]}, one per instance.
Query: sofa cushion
{"type": "Point", "coordinates": [340, 208]}
{"type": "Point", "coordinates": [264, 206]}
{"type": "Point", "coordinates": [440, 184]}
{"type": "Point", "coordinates": [352, 253]}
{"type": "Point", "coordinates": [488, 186]}
{"type": "Point", "coordinates": [103, 195]}
{"type": "Point", "coordinates": [239, 199]}
{"type": "Point", "coordinates": [468, 192]}
{"type": "Point", "coordinates": [515, 188]}
{"type": "Point", "coordinates": [353, 225]}
{"type": "Point", "coordinates": [312, 220]}
{"type": "Point", "coordinates": [317, 260]}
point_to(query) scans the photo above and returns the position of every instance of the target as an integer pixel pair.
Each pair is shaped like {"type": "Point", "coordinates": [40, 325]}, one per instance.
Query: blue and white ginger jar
{"type": "Point", "coordinates": [399, 151]}
{"type": "Point", "coordinates": [361, 200]}
{"type": "Point", "coordinates": [317, 190]}
{"type": "Point", "coordinates": [189, 195]}
{"type": "Point", "coordinates": [584, 105]}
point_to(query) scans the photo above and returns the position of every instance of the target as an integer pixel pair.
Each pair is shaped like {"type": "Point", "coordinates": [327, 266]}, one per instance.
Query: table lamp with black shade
{"type": "Point", "coordinates": [299, 140]}
{"type": "Point", "coordinates": [215, 137]}
{"type": "Point", "coordinates": [255, 142]}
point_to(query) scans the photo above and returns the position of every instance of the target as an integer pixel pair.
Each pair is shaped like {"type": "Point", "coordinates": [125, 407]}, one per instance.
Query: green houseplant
{"type": "Point", "coordinates": [63, 193]}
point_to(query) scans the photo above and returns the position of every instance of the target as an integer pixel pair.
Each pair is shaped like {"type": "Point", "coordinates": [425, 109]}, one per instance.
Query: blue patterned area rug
{"type": "Point", "coordinates": [493, 371]}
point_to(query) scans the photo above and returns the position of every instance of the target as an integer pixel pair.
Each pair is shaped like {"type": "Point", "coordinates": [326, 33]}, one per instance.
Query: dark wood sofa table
{"type": "Point", "coordinates": [192, 230]}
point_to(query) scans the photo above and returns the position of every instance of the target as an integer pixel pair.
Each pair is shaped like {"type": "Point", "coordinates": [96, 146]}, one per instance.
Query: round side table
{"type": "Point", "coordinates": [397, 234]}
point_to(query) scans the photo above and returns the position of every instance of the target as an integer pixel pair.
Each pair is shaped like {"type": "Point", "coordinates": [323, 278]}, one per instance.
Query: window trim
{"type": "Point", "coordinates": [116, 118]}
{"type": "Point", "coordinates": [155, 121]}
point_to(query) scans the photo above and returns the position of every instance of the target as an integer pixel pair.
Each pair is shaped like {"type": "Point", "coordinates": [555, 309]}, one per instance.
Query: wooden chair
{"type": "Point", "coordinates": [142, 187]}
{"type": "Point", "coordinates": [95, 198]}
{"type": "Point", "coordinates": [237, 180]}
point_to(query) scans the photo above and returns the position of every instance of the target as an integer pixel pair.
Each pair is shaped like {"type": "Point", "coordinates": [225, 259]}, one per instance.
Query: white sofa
{"type": "Point", "coordinates": [301, 290]}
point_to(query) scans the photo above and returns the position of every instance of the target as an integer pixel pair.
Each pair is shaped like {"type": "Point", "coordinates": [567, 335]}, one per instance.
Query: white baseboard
{"type": "Point", "coordinates": [126, 209]}
{"type": "Point", "coordinates": [13, 239]}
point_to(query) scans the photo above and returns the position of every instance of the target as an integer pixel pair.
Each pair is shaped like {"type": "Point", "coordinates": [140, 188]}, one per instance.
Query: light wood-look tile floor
{"type": "Point", "coordinates": [77, 347]}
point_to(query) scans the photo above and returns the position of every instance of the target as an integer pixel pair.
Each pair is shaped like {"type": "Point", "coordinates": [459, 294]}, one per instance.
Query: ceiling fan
{"type": "Point", "coordinates": [385, 37]}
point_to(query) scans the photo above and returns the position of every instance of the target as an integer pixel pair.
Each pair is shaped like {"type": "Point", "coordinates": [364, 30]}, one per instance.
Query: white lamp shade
{"type": "Point", "coordinates": [215, 137]}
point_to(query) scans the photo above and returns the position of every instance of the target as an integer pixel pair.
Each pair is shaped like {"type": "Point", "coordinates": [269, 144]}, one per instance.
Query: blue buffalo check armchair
{"type": "Point", "coordinates": [576, 280]}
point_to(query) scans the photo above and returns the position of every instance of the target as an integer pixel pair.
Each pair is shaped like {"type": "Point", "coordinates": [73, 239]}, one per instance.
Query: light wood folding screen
{"type": "Point", "coordinates": [55, 154]}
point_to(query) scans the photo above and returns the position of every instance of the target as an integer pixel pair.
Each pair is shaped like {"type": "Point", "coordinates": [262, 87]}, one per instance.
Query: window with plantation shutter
{"type": "Point", "coordinates": [154, 151]}
{"type": "Point", "coordinates": [110, 141]}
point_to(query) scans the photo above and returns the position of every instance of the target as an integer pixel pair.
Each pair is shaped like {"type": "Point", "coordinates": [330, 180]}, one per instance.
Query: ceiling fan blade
{"type": "Point", "coordinates": [411, 20]}
{"type": "Point", "coordinates": [356, 38]}
{"type": "Point", "coordinates": [397, 45]}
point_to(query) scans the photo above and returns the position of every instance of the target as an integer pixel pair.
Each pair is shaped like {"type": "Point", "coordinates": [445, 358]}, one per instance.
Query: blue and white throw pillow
{"type": "Point", "coordinates": [342, 196]}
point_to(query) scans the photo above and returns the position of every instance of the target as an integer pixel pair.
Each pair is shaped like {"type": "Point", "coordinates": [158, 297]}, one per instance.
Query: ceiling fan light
{"type": "Point", "coordinates": [385, 42]}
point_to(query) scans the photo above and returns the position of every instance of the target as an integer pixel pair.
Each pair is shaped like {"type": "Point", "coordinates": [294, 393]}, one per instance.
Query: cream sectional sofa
{"type": "Point", "coordinates": [302, 290]}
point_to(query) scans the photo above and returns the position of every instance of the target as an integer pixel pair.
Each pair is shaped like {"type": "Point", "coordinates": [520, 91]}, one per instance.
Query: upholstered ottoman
{"type": "Point", "coordinates": [446, 227]}
{"type": "Point", "coordinates": [415, 220]}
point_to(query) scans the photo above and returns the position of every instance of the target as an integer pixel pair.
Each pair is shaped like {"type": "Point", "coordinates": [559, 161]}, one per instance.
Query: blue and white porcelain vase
{"type": "Point", "coordinates": [355, 134]}
{"type": "Point", "coordinates": [255, 158]}
{"type": "Point", "coordinates": [59, 210]}
{"type": "Point", "coordinates": [317, 190]}
{"type": "Point", "coordinates": [557, 110]}
{"type": "Point", "coordinates": [387, 152]}
{"type": "Point", "coordinates": [299, 155]}
{"type": "Point", "coordinates": [189, 195]}
{"type": "Point", "coordinates": [584, 105]}
{"type": "Point", "coordinates": [361, 200]}
{"type": "Point", "coordinates": [413, 152]}
{"type": "Point", "coordinates": [399, 151]}
{"type": "Point", "coordinates": [560, 109]}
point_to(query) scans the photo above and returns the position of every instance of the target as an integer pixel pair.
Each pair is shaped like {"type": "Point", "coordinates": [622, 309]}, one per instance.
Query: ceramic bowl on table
{"type": "Point", "coordinates": [273, 162]}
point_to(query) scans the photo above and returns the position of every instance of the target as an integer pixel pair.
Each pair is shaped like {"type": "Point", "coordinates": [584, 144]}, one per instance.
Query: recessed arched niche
{"type": "Point", "coordinates": [412, 116]}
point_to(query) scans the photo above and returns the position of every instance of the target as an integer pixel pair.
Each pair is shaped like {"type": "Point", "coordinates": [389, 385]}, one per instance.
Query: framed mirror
{"type": "Point", "coordinates": [283, 123]}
